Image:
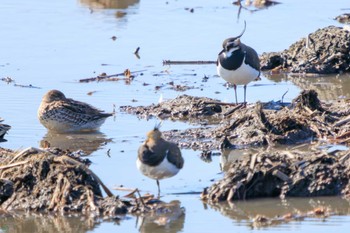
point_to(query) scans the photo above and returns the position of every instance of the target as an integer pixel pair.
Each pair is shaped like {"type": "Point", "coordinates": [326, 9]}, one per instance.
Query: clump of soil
{"type": "Point", "coordinates": [326, 51]}
{"type": "Point", "coordinates": [186, 108]}
{"type": "Point", "coordinates": [260, 124]}
{"type": "Point", "coordinates": [293, 174]}
{"type": "Point", "coordinates": [54, 181]}
{"type": "Point", "coordinates": [46, 182]}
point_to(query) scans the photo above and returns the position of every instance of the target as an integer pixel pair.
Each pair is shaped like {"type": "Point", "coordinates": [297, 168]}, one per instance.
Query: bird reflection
{"type": "Point", "coordinates": [109, 4]}
{"type": "Point", "coordinates": [168, 217]}
{"type": "Point", "coordinates": [328, 87]}
{"type": "Point", "coordinates": [86, 142]}
{"type": "Point", "coordinates": [272, 207]}
{"type": "Point", "coordinates": [20, 222]}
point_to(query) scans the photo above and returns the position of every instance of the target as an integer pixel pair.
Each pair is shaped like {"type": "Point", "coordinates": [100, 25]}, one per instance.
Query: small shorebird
{"type": "Point", "coordinates": [61, 114]}
{"type": "Point", "coordinates": [3, 129]}
{"type": "Point", "coordinates": [238, 63]}
{"type": "Point", "coordinates": [158, 158]}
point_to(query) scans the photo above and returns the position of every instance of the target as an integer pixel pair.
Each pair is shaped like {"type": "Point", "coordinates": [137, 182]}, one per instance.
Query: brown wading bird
{"type": "Point", "coordinates": [238, 63]}
{"type": "Point", "coordinates": [61, 114]}
{"type": "Point", "coordinates": [158, 158]}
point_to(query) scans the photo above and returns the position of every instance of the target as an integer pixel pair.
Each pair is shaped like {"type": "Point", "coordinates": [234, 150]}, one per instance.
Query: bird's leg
{"type": "Point", "coordinates": [235, 88]}
{"type": "Point", "coordinates": [158, 188]}
{"type": "Point", "coordinates": [245, 89]}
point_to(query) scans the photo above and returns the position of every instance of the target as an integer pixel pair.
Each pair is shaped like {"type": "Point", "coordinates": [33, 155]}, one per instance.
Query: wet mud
{"type": "Point", "coordinates": [222, 125]}
{"type": "Point", "coordinates": [325, 51]}
{"type": "Point", "coordinates": [283, 174]}
{"type": "Point", "coordinates": [53, 181]}
{"type": "Point", "coordinates": [264, 173]}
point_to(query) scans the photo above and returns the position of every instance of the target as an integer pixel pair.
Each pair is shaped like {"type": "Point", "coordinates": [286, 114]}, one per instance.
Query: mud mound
{"type": "Point", "coordinates": [271, 174]}
{"type": "Point", "coordinates": [303, 120]}
{"type": "Point", "coordinates": [36, 180]}
{"type": "Point", "coordinates": [184, 107]}
{"type": "Point", "coordinates": [326, 51]}
{"type": "Point", "coordinates": [55, 182]}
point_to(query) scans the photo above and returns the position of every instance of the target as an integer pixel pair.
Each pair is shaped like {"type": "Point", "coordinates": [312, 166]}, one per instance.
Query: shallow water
{"type": "Point", "coordinates": [52, 45]}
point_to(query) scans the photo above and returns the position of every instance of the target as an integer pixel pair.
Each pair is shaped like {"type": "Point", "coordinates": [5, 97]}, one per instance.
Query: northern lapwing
{"type": "Point", "coordinates": [238, 63]}
{"type": "Point", "coordinates": [61, 114]}
{"type": "Point", "coordinates": [158, 158]}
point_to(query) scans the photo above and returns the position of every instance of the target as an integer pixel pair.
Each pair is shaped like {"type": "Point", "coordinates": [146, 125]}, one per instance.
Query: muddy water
{"type": "Point", "coordinates": [48, 45]}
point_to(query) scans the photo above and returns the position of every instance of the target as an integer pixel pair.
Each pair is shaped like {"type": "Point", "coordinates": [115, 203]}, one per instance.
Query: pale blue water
{"type": "Point", "coordinates": [53, 44]}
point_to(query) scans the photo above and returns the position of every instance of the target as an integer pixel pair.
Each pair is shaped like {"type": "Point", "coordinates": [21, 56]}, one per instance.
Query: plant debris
{"type": "Point", "coordinates": [128, 76]}
{"type": "Point", "coordinates": [261, 124]}
{"type": "Point", "coordinates": [54, 181]}
{"type": "Point", "coordinates": [326, 51]}
{"type": "Point", "coordinates": [283, 174]}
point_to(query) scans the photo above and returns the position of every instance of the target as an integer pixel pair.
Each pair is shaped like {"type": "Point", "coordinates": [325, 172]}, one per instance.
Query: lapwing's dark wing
{"type": "Point", "coordinates": [252, 57]}
{"type": "Point", "coordinates": [174, 155]}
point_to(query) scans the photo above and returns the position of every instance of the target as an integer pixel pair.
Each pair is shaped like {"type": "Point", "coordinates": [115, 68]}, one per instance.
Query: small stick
{"type": "Point", "coordinates": [74, 162]}
{"type": "Point", "coordinates": [137, 52]}
{"type": "Point", "coordinates": [124, 189]}
{"type": "Point", "coordinates": [284, 95]}
{"type": "Point", "coordinates": [169, 62]}
{"type": "Point", "coordinates": [97, 78]}
{"type": "Point", "coordinates": [221, 103]}
{"type": "Point", "coordinates": [233, 110]}
{"type": "Point", "coordinates": [23, 152]}
{"type": "Point", "coordinates": [13, 164]}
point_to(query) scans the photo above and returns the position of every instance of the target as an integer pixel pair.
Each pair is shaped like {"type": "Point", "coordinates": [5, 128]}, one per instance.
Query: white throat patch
{"type": "Point", "coordinates": [229, 53]}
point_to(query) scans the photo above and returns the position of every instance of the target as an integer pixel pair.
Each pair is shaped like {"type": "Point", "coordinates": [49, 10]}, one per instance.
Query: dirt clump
{"type": "Point", "coordinates": [198, 110]}
{"type": "Point", "coordinates": [283, 174]}
{"type": "Point", "coordinates": [261, 124]}
{"type": "Point", "coordinates": [325, 51]}
{"type": "Point", "coordinates": [53, 181]}
{"type": "Point", "coordinates": [46, 182]}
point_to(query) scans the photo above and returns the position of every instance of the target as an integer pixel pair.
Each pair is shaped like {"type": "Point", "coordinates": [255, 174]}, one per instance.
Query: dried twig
{"type": "Point", "coordinates": [102, 77]}
{"type": "Point", "coordinates": [71, 161]}
{"type": "Point", "coordinates": [170, 62]}
{"type": "Point", "coordinates": [13, 164]}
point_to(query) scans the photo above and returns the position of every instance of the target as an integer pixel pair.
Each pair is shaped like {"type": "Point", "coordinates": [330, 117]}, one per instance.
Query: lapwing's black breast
{"type": "Point", "coordinates": [233, 62]}
{"type": "Point", "coordinates": [150, 156]}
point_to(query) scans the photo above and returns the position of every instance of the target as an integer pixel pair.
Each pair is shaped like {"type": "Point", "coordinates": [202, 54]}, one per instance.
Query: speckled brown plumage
{"type": "Point", "coordinates": [61, 114]}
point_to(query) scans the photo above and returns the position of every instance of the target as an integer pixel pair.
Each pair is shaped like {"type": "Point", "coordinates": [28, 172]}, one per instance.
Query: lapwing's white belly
{"type": "Point", "coordinates": [164, 170]}
{"type": "Point", "coordinates": [241, 76]}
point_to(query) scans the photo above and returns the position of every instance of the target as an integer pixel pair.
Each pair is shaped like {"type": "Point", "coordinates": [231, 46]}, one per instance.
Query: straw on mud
{"type": "Point", "coordinates": [65, 158]}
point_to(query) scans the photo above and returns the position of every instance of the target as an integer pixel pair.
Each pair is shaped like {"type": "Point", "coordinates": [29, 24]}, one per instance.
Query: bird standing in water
{"type": "Point", "coordinates": [238, 63]}
{"type": "Point", "coordinates": [158, 158]}
{"type": "Point", "coordinates": [61, 114]}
